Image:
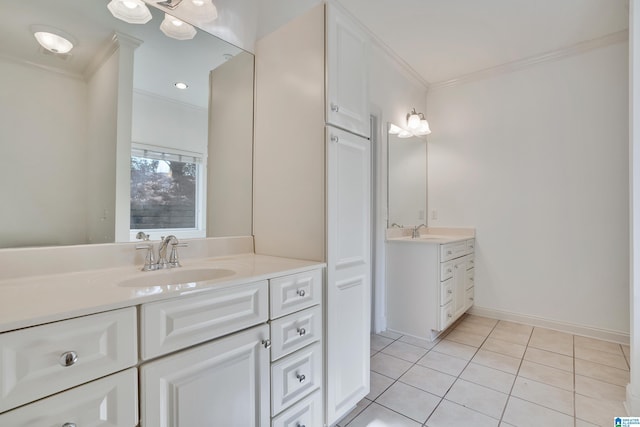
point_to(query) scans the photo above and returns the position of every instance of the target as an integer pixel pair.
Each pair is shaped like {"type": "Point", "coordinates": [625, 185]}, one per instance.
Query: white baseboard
{"type": "Point", "coordinates": [571, 328]}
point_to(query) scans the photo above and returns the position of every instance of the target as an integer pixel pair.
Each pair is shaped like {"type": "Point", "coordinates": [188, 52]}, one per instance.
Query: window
{"type": "Point", "coordinates": [167, 192]}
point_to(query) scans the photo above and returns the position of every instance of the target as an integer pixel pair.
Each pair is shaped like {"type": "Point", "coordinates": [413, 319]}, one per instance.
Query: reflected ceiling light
{"type": "Point", "coordinates": [413, 120]}
{"type": "Point", "coordinates": [52, 39]}
{"type": "Point", "coordinates": [131, 11]}
{"type": "Point", "coordinates": [177, 29]}
{"type": "Point", "coordinates": [394, 130]}
{"type": "Point", "coordinates": [200, 10]}
{"type": "Point", "coordinates": [405, 134]}
{"type": "Point", "coordinates": [181, 85]}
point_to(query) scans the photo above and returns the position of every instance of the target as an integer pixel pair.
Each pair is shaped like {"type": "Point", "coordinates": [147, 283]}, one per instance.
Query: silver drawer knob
{"type": "Point", "coordinates": [448, 270]}
{"type": "Point", "coordinates": [449, 291]}
{"type": "Point", "coordinates": [449, 315]}
{"type": "Point", "coordinates": [301, 292]}
{"type": "Point", "coordinates": [301, 378]}
{"type": "Point", "coordinates": [68, 358]}
{"type": "Point", "coordinates": [335, 107]}
{"type": "Point", "coordinates": [266, 343]}
{"type": "Point", "coordinates": [300, 425]}
{"type": "Point", "coordinates": [471, 278]}
{"type": "Point", "coordinates": [449, 252]}
{"type": "Point", "coordinates": [301, 331]}
{"type": "Point", "coordinates": [471, 299]}
{"type": "Point", "coordinates": [69, 425]}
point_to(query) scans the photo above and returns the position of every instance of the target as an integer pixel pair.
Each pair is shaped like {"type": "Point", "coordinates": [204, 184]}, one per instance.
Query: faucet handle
{"type": "Point", "coordinates": [142, 236]}
{"type": "Point", "coordinates": [149, 259]}
{"type": "Point", "coordinates": [173, 256]}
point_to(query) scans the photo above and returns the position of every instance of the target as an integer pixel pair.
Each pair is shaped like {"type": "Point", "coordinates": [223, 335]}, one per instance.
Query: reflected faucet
{"type": "Point", "coordinates": [416, 231]}
{"type": "Point", "coordinates": [150, 262]}
{"type": "Point", "coordinates": [395, 224]}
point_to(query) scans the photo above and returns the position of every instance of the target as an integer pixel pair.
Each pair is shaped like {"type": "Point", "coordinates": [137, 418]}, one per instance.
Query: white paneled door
{"type": "Point", "coordinates": [348, 299]}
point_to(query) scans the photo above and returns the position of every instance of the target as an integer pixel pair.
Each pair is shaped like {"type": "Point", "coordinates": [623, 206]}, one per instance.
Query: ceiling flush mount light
{"type": "Point", "coordinates": [177, 29]}
{"type": "Point", "coordinates": [52, 39]}
{"type": "Point", "coordinates": [181, 85]}
{"type": "Point", "coordinates": [200, 10]}
{"type": "Point", "coordinates": [130, 11]}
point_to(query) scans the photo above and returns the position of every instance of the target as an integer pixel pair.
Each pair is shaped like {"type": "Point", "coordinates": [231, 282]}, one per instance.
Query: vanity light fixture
{"type": "Point", "coordinates": [177, 29]}
{"type": "Point", "coordinates": [52, 39]}
{"type": "Point", "coordinates": [130, 11]}
{"type": "Point", "coordinates": [181, 85]}
{"type": "Point", "coordinates": [417, 124]}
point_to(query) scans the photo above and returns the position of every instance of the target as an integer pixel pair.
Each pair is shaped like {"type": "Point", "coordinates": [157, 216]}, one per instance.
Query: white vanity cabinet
{"type": "Point", "coordinates": [429, 285]}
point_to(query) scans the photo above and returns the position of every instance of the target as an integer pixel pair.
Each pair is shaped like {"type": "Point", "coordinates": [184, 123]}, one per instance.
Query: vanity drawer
{"type": "Point", "coordinates": [110, 401]}
{"type": "Point", "coordinates": [307, 412]}
{"type": "Point", "coordinates": [469, 279]}
{"type": "Point", "coordinates": [446, 270]}
{"type": "Point", "coordinates": [295, 292]}
{"type": "Point", "coordinates": [446, 292]}
{"type": "Point", "coordinates": [42, 360]}
{"type": "Point", "coordinates": [295, 377]}
{"type": "Point", "coordinates": [178, 323]}
{"type": "Point", "coordinates": [471, 245]}
{"type": "Point", "coordinates": [453, 250]}
{"type": "Point", "coordinates": [468, 298]}
{"type": "Point", "coordinates": [446, 315]}
{"type": "Point", "coordinates": [294, 331]}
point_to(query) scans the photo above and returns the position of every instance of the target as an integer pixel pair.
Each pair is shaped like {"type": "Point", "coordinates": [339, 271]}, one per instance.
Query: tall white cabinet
{"type": "Point", "coordinates": [312, 179]}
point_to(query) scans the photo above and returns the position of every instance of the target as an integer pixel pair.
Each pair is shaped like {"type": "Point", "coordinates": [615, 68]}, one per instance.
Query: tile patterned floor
{"type": "Point", "coordinates": [486, 372]}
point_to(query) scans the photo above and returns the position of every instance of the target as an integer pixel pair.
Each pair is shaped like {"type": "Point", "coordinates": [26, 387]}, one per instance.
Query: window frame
{"type": "Point", "coordinates": [199, 231]}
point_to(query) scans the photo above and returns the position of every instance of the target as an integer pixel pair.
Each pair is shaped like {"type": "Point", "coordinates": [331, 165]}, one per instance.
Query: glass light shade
{"type": "Point", "coordinates": [130, 11]}
{"type": "Point", "coordinates": [200, 10]}
{"type": "Point", "coordinates": [177, 29]}
{"type": "Point", "coordinates": [394, 130]}
{"type": "Point", "coordinates": [423, 129]}
{"type": "Point", "coordinates": [413, 122]}
{"type": "Point", "coordinates": [53, 42]}
{"type": "Point", "coordinates": [405, 134]}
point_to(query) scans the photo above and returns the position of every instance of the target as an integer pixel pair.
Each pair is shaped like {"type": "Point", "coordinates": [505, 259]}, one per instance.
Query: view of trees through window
{"type": "Point", "coordinates": [163, 194]}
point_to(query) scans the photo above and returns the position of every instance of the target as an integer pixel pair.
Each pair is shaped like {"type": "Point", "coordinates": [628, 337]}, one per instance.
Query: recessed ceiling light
{"type": "Point", "coordinates": [181, 85]}
{"type": "Point", "coordinates": [52, 39]}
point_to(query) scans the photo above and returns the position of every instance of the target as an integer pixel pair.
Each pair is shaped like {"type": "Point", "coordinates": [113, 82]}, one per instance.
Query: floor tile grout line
{"type": "Point", "coordinates": [504, 410]}
{"type": "Point", "coordinates": [575, 414]}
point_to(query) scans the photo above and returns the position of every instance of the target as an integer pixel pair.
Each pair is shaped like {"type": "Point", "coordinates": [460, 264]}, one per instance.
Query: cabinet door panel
{"type": "Point", "coordinates": [348, 294]}
{"type": "Point", "coordinates": [225, 383]}
{"type": "Point", "coordinates": [347, 87]}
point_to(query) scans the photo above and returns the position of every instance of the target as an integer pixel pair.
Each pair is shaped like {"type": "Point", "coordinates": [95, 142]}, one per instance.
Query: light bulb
{"type": "Point", "coordinates": [198, 2]}
{"type": "Point", "coordinates": [423, 129]}
{"type": "Point", "coordinates": [130, 4]}
{"type": "Point", "coordinates": [176, 22]}
{"type": "Point", "coordinates": [131, 11]}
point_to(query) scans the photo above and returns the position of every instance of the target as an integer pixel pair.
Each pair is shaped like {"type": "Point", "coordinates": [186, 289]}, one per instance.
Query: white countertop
{"type": "Point", "coordinates": [33, 300]}
{"type": "Point", "coordinates": [429, 235]}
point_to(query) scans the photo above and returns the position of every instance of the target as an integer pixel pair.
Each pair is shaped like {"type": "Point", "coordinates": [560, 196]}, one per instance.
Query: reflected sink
{"type": "Point", "coordinates": [175, 276]}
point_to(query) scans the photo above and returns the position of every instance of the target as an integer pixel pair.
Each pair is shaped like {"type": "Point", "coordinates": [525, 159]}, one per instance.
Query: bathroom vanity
{"type": "Point", "coordinates": [430, 280]}
{"type": "Point", "coordinates": [233, 340]}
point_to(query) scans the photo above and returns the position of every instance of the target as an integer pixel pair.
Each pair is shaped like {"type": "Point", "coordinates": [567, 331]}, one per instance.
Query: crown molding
{"type": "Point", "coordinates": [51, 69]}
{"type": "Point", "coordinates": [554, 55]}
{"type": "Point", "coordinates": [168, 100]}
{"type": "Point", "coordinates": [404, 65]}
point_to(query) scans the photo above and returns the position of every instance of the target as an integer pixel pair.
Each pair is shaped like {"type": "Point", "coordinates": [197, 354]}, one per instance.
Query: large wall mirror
{"type": "Point", "coordinates": [95, 142]}
{"type": "Point", "coordinates": [407, 180]}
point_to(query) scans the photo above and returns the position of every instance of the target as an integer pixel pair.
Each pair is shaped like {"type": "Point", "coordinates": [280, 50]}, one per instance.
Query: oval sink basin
{"type": "Point", "coordinates": [175, 276]}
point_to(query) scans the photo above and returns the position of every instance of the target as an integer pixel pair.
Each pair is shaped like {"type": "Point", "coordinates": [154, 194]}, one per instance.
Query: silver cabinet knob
{"type": "Point", "coordinates": [449, 252]}
{"type": "Point", "coordinates": [68, 358]}
{"type": "Point", "coordinates": [471, 278]}
{"type": "Point", "coordinates": [301, 292]}
{"type": "Point", "coordinates": [471, 298]}
{"type": "Point", "coordinates": [300, 425]}
{"type": "Point", "coordinates": [69, 425]}
{"type": "Point", "coordinates": [335, 138]}
{"type": "Point", "coordinates": [266, 343]}
{"type": "Point", "coordinates": [448, 270]}
{"type": "Point", "coordinates": [301, 378]}
{"type": "Point", "coordinates": [449, 291]}
{"type": "Point", "coordinates": [335, 107]}
{"type": "Point", "coordinates": [301, 331]}
{"type": "Point", "coordinates": [449, 315]}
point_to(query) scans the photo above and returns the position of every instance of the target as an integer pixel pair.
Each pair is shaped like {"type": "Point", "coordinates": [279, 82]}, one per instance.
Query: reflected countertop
{"type": "Point", "coordinates": [33, 300]}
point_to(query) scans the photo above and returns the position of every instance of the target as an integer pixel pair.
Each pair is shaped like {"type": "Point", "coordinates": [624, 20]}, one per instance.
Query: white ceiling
{"type": "Point", "coordinates": [446, 39]}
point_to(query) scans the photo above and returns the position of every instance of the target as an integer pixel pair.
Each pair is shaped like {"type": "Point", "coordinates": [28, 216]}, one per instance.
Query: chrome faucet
{"type": "Point", "coordinates": [395, 224]}
{"type": "Point", "coordinates": [162, 252]}
{"type": "Point", "coordinates": [416, 231]}
{"type": "Point", "coordinates": [150, 262]}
